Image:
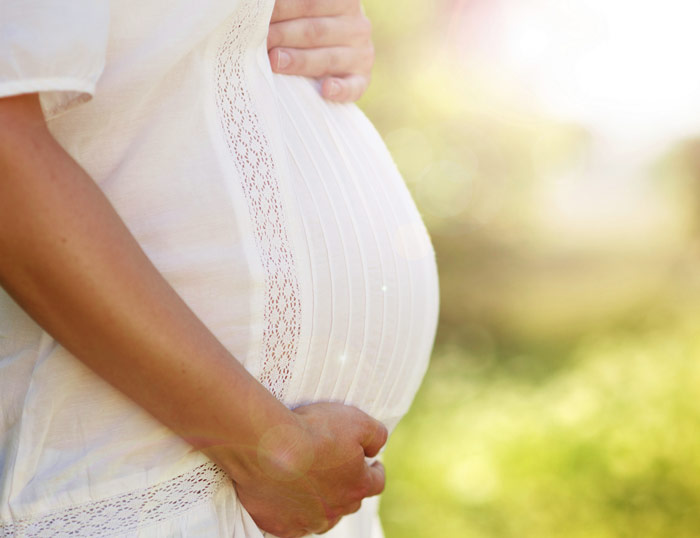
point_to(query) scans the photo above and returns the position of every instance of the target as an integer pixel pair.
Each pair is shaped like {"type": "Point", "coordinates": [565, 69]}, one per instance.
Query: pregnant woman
{"type": "Point", "coordinates": [219, 296]}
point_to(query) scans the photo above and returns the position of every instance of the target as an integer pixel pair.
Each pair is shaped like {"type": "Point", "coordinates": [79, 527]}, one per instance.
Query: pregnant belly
{"type": "Point", "coordinates": [365, 266]}
{"type": "Point", "coordinates": [349, 306]}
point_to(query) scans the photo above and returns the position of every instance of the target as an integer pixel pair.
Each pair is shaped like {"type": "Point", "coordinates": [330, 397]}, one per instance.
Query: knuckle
{"type": "Point", "coordinates": [365, 25]}
{"type": "Point", "coordinates": [359, 457]}
{"type": "Point", "coordinates": [363, 492]}
{"type": "Point", "coordinates": [383, 432]}
{"type": "Point", "coordinates": [360, 30]}
{"type": "Point", "coordinates": [366, 491]}
{"type": "Point", "coordinates": [314, 29]}
{"type": "Point", "coordinates": [360, 492]}
{"type": "Point", "coordinates": [379, 434]}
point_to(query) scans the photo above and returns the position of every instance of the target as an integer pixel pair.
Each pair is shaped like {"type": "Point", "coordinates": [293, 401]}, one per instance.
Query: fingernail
{"type": "Point", "coordinates": [333, 88]}
{"type": "Point", "coordinates": [283, 59]}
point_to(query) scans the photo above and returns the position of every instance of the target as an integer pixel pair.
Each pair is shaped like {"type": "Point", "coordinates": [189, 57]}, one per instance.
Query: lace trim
{"type": "Point", "coordinates": [250, 150]}
{"type": "Point", "coordinates": [126, 512]}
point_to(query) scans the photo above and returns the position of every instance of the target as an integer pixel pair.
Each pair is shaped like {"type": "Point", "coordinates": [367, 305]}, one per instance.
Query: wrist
{"type": "Point", "coordinates": [269, 441]}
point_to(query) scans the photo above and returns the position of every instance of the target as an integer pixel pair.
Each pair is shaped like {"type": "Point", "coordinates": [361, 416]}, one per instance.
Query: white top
{"type": "Point", "coordinates": [280, 218]}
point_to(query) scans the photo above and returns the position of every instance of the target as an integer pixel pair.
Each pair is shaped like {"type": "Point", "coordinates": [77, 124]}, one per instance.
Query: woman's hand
{"type": "Point", "coordinates": [324, 39]}
{"type": "Point", "coordinates": [311, 474]}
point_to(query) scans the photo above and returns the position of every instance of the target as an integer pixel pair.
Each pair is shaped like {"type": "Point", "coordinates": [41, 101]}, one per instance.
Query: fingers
{"type": "Point", "coordinates": [294, 9]}
{"type": "Point", "coordinates": [374, 437]}
{"type": "Point", "coordinates": [320, 32]}
{"type": "Point", "coordinates": [323, 38]}
{"type": "Point", "coordinates": [377, 479]}
{"type": "Point", "coordinates": [344, 89]}
{"type": "Point", "coordinates": [317, 63]}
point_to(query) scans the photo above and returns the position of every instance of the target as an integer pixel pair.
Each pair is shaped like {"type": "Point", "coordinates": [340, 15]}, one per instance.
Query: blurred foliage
{"type": "Point", "coordinates": [561, 397]}
{"type": "Point", "coordinates": [607, 447]}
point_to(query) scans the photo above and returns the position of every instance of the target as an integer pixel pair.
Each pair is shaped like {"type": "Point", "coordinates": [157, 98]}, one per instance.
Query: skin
{"type": "Point", "coordinates": [325, 39]}
{"type": "Point", "coordinates": [70, 262]}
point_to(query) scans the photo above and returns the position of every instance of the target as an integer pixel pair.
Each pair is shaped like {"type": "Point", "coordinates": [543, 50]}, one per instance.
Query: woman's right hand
{"type": "Point", "coordinates": [311, 474]}
{"type": "Point", "coordinates": [326, 39]}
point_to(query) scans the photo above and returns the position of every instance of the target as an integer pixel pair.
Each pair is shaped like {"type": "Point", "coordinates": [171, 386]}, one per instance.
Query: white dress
{"type": "Point", "coordinates": [278, 217]}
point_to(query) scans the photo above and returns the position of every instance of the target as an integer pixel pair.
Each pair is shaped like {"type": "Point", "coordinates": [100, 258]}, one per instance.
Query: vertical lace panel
{"type": "Point", "coordinates": [251, 152]}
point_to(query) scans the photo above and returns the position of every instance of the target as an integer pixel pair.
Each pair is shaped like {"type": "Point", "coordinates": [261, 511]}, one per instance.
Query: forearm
{"type": "Point", "coordinates": [70, 262]}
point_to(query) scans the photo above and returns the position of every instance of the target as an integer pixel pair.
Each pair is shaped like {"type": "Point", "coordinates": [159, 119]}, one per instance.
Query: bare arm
{"type": "Point", "coordinates": [71, 263]}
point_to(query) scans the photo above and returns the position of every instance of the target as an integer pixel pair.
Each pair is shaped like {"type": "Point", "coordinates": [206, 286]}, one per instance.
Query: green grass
{"type": "Point", "coordinates": [608, 446]}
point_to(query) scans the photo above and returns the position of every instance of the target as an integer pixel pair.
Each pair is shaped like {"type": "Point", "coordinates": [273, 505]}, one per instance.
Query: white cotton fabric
{"type": "Point", "coordinates": [55, 48]}
{"type": "Point", "coordinates": [281, 220]}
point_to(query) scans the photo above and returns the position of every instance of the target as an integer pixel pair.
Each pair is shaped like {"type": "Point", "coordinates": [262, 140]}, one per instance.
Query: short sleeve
{"type": "Point", "coordinates": [54, 47]}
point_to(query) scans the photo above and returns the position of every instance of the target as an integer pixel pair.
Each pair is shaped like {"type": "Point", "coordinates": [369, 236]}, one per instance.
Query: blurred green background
{"type": "Point", "coordinates": [563, 394]}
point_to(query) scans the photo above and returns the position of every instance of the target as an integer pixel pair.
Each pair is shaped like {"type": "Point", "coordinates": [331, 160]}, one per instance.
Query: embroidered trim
{"type": "Point", "coordinates": [126, 512]}
{"type": "Point", "coordinates": [251, 152]}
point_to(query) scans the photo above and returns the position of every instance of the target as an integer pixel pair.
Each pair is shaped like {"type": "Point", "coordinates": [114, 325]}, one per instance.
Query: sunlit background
{"type": "Point", "coordinates": [553, 148]}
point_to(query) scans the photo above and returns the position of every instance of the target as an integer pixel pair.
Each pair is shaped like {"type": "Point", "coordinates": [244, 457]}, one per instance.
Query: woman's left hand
{"type": "Point", "coordinates": [324, 39]}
